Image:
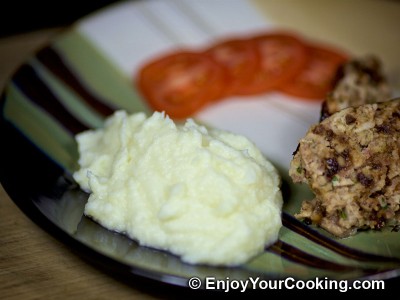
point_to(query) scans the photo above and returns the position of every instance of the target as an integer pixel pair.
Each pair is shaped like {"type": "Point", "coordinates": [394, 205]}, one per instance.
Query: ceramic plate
{"type": "Point", "coordinates": [87, 72]}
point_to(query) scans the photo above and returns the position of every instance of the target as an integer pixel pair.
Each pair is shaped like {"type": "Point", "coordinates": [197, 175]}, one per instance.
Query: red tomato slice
{"type": "Point", "coordinates": [282, 56]}
{"type": "Point", "coordinates": [317, 78]}
{"type": "Point", "coordinates": [181, 83]}
{"type": "Point", "coordinates": [240, 59]}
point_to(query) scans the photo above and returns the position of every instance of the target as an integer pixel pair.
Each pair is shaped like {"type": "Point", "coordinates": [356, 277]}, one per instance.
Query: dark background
{"type": "Point", "coordinates": [17, 16]}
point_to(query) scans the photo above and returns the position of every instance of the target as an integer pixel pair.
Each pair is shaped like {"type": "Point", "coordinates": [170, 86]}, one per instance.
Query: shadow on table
{"type": "Point", "coordinates": [19, 16]}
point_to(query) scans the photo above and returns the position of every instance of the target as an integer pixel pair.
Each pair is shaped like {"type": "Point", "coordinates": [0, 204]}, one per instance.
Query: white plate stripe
{"type": "Point", "coordinates": [125, 35]}
{"type": "Point", "coordinates": [174, 22]}
{"type": "Point", "coordinates": [226, 17]}
{"type": "Point", "coordinates": [273, 130]}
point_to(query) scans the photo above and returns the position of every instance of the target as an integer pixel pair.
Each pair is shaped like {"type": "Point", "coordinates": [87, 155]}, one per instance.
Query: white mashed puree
{"type": "Point", "coordinates": [206, 195]}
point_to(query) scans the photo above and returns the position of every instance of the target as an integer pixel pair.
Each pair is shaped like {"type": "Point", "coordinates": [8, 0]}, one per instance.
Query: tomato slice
{"type": "Point", "coordinates": [317, 78]}
{"type": "Point", "coordinates": [181, 83]}
{"type": "Point", "coordinates": [281, 56]}
{"type": "Point", "coordinates": [240, 59]}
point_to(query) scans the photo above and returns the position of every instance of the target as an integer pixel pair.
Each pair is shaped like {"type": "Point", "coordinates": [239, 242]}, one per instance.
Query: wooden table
{"type": "Point", "coordinates": [33, 265]}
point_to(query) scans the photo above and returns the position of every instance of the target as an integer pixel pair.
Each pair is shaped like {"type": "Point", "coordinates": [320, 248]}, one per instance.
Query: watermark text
{"type": "Point", "coordinates": [228, 284]}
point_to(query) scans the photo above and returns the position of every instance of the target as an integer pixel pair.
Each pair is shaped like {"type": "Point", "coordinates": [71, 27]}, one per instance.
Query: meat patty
{"type": "Point", "coordinates": [358, 81]}
{"type": "Point", "coordinates": [351, 161]}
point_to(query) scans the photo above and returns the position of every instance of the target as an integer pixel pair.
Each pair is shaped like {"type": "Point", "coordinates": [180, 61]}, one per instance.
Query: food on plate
{"type": "Point", "coordinates": [240, 60]}
{"type": "Point", "coordinates": [316, 78]}
{"type": "Point", "coordinates": [282, 56]}
{"type": "Point", "coordinates": [351, 161]}
{"type": "Point", "coordinates": [183, 82]}
{"type": "Point", "coordinates": [360, 80]}
{"type": "Point", "coordinates": [206, 195]}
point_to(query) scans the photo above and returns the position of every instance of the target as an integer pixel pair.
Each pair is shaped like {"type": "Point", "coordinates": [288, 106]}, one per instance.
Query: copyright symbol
{"type": "Point", "coordinates": [194, 283]}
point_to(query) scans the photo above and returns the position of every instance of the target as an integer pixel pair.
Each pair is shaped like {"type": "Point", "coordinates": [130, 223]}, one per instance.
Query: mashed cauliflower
{"type": "Point", "coordinates": [208, 196]}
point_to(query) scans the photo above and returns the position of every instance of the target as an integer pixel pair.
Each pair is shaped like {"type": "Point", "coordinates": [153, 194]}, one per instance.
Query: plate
{"type": "Point", "coordinates": [87, 72]}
